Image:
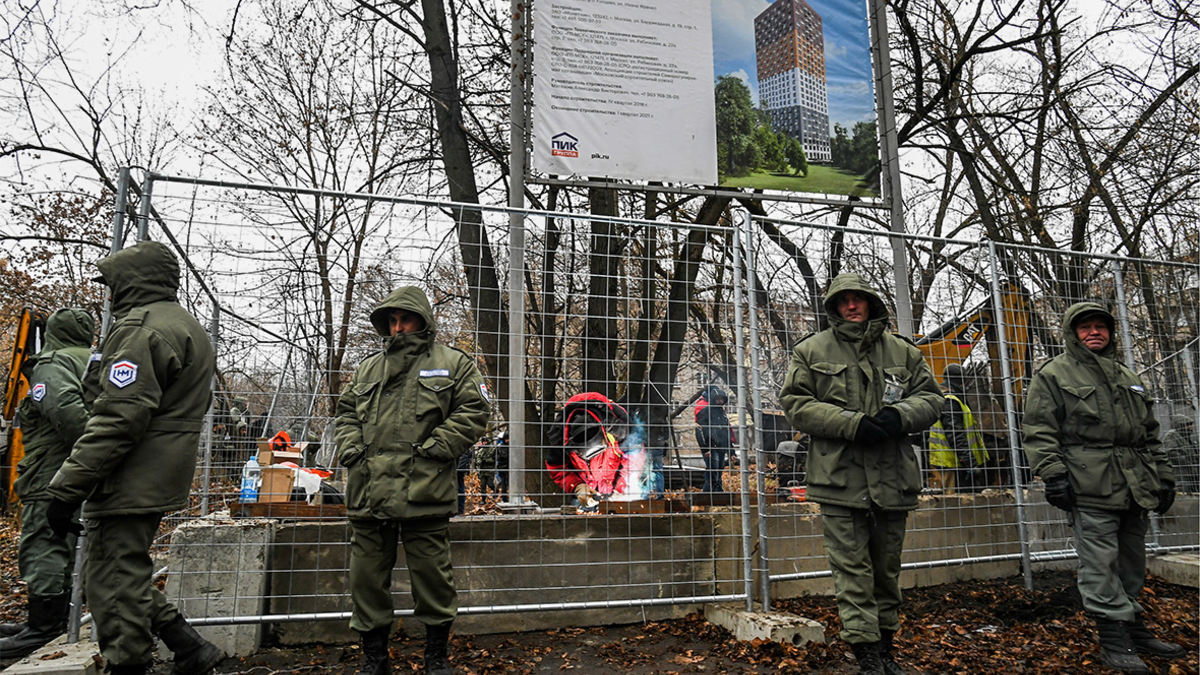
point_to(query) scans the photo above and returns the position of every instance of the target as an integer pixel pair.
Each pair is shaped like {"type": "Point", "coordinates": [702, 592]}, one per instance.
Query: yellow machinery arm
{"type": "Point", "coordinates": [953, 341]}
{"type": "Point", "coordinates": [31, 333]}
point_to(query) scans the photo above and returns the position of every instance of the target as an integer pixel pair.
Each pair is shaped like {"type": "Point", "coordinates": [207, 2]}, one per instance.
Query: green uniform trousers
{"type": "Point", "coordinates": [46, 560]}
{"type": "Point", "coordinates": [126, 609]}
{"type": "Point", "coordinates": [1112, 561]}
{"type": "Point", "coordinates": [373, 551]}
{"type": "Point", "coordinates": [864, 547]}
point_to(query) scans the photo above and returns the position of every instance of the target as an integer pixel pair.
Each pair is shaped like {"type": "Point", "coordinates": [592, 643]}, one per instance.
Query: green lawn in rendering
{"type": "Point", "coordinates": [822, 179]}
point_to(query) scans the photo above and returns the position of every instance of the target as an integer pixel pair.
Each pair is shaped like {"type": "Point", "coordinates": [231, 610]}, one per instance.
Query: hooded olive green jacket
{"type": "Point", "coordinates": [839, 376]}
{"type": "Point", "coordinates": [406, 416]}
{"type": "Point", "coordinates": [1089, 416]}
{"type": "Point", "coordinates": [138, 450]}
{"type": "Point", "coordinates": [53, 414]}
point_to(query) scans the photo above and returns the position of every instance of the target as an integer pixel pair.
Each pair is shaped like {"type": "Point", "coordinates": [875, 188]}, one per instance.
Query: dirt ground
{"type": "Point", "coordinates": [995, 627]}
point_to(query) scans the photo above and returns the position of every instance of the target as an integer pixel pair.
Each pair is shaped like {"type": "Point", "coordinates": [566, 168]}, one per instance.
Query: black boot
{"type": "Point", "coordinates": [890, 667]}
{"type": "Point", "coordinates": [437, 644]}
{"type": "Point", "coordinates": [193, 654]}
{"type": "Point", "coordinates": [47, 620]}
{"type": "Point", "coordinates": [376, 660]}
{"type": "Point", "coordinates": [114, 669]}
{"type": "Point", "coordinates": [1116, 648]}
{"type": "Point", "coordinates": [11, 629]}
{"type": "Point", "coordinates": [1145, 642]}
{"type": "Point", "coordinates": [867, 654]}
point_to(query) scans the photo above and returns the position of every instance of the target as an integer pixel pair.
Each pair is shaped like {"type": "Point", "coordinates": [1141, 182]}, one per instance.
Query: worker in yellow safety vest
{"type": "Point", "coordinates": [957, 454]}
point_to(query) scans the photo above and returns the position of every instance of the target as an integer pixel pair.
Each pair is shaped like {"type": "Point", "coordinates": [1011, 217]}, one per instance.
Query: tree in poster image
{"type": "Point", "coordinates": [745, 139]}
{"type": "Point", "coordinates": [857, 154]}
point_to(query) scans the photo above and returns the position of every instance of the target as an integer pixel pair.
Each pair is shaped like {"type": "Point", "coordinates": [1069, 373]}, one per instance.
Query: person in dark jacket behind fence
{"type": "Point", "coordinates": [957, 454]}
{"type": "Point", "coordinates": [714, 435]}
{"type": "Point", "coordinates": [1090, 434]}
{"type": "Point", "coordinates": [52, 417]}
{"type": "Point", "coordinates": [859, 392]}
{"type": "Point", "coordinates": [1183, 451]}
{"type": "Point", "coordinates": [407, 415]}
{"type": "Point", "coordinates": [136, 458]}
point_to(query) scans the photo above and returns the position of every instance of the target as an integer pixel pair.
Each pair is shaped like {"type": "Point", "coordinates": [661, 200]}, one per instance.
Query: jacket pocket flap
{"type": "Point", "coordinates": [1079, 391]}
{"type": "Point", "coordinates": [435, 383]}
{"type": "Point", "coordinates": [827, 368]}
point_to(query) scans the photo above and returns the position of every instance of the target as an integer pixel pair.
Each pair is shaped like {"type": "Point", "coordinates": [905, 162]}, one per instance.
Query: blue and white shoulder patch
{"type": "Point", "coordinates": [436, 372]}
{"type": "Point", "coordinates": [123, 373]}
{"type": "Point", "coordinates": [38, 391]}
{"type": "Point", "coordinates": [483, 389]}
{"type": "Point", "coordinates": [1137, 388]}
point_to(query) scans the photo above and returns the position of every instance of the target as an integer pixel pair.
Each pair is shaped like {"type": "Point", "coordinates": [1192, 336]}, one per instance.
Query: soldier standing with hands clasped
{"type": "Point", "coordinates": [1090, 434]}
{"type": "Point", "coordinates": [859, 391]}
{"type": "Point", "coordinates": [407, 415]}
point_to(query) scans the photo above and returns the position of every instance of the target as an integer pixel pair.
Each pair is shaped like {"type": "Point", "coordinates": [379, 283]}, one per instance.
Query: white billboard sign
{"type": "Point", "coordinates": [624, 89]}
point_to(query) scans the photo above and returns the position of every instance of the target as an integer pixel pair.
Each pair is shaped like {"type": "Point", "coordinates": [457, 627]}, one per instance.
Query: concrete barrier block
{"type": "Point", "coordinates": [1176, 568]}
{"type": "Point", "coordinates": [60, 658]}
{"type": "Point", "coordinates": [780, 627]}
{"type": "Point", "coordinates": [217, 567]}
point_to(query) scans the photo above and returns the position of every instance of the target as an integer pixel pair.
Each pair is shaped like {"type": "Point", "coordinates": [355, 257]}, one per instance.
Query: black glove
{"type": "Point", "coordinates": [888, 419]}
{"type": "Point", "coordinates": [1060, 493]}
{"type": "Point", "coordinates": [870, 433]}
{"type": "Point", "coordinates": [1166, 496]}
{"type": "Point", "coordinates": [60, 516]}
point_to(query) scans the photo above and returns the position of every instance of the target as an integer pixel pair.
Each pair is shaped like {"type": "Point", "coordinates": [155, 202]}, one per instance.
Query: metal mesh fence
{"type": "Point", "coordinates": [629, 330]}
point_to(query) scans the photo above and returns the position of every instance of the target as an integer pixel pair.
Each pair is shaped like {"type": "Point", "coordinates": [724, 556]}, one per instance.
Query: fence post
{"type": "Point", "coordinates": [1127, 341]}
{"type": "Point", "coordinates": [1010, 408]}
{"type": "Point", "coordinates": [74, 616]}
{"type": "Point", "coordinates": [746, 226]}
{"type": "Point", "coordinates": [210, 416]}
{"type": "Point", "coordinates": [143, 224]}
{"type": "Point", "coordinates": [739, 216]}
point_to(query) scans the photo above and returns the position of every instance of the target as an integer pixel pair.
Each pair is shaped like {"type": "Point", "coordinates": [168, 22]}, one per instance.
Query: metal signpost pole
{"type": "Point", "coordinates": [890, 156]}
{"type": "Point", "coordinates": [517, 494]}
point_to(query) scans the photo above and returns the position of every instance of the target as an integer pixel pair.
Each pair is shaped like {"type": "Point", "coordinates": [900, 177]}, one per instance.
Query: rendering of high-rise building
{"type": "Point", "coordinates": [789, 48]}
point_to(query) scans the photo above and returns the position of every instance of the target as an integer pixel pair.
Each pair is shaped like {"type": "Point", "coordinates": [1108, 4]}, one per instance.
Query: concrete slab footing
{"type": "Point", "coordinates": [60, 658]}
{"type": "Point", "coordinates": [1177, 568]}
{"type": "Point", "coordinates": [779, 627]}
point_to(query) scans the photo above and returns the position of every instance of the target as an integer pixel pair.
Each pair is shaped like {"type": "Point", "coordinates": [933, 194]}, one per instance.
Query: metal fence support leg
{"type": "Point", "coordinates": [746, 229]}
{"type": "Point", "coordinates": [210, 417]}
{"type": "Point", "coordinates": [143, 223]}
{"type": "Point", "coordinates": [1010, 408]}
{"type": "Point", "coordinates": [739, 304]}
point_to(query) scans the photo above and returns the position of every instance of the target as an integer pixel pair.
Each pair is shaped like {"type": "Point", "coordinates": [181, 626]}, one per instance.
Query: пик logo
{"type": "Point", "coordinates": [564, 145]}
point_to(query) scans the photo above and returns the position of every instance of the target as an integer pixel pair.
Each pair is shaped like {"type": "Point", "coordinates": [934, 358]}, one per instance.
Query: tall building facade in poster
{"type": "Point", "coordinates": [789, 50]}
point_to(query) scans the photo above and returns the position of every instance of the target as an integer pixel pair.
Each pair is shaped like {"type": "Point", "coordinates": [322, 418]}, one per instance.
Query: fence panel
{"type": "Point", "coordinates": [638, 313]}
{"type": "Point", "coordinates": [649, 319]}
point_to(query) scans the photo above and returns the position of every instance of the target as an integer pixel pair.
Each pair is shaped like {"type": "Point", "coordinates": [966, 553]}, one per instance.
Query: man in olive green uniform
{"type": "Point", "coordinates": [52, 418]}
{"type": "Point", "coordinates": [859, 391]}
{"type": "Point", "coordinates": [136, 458]}
{"type": "Point", "coordinates": [402, 422]}
{"type": "Point", "coordinates": [1091, 435]}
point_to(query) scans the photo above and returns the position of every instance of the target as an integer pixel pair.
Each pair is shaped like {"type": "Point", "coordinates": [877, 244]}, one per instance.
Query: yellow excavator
{"type": "Point", "coordinates": [28, 340]}
{"type": "Point", "coordinates": [954, 340]}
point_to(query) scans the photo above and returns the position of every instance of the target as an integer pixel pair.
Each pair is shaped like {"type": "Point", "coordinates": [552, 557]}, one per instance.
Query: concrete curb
{"type": "Point", "coordinates": [780, 627]}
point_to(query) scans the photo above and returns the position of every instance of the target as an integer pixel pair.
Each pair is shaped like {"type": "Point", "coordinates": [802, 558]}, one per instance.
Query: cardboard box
{"type": "Point", "coordinates": [276, 484]}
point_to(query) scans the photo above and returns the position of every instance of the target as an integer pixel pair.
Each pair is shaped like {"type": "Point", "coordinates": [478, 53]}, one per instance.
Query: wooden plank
{"type": "Point", "coordinates": [288, 510]}
{"type": "Point", "coordinates": [643, 506]}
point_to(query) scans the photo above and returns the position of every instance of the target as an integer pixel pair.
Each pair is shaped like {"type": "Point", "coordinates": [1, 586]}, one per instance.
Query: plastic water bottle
{"type": "Point", "coordinates": [250, 475]}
